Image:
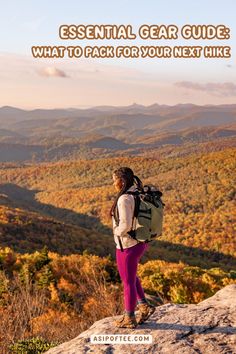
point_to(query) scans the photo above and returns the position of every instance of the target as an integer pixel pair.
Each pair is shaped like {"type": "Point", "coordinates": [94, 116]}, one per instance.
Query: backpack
{"type": "Point", "coordinates": [148, 214]}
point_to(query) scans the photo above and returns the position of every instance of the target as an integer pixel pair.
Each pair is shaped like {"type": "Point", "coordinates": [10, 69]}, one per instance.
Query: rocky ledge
{"type": "Point", "coordinates": [205, 328]}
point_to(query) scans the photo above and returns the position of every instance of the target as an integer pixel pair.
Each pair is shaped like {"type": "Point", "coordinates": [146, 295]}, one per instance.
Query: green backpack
{"type": "Point", "coordinates": [148, 214]}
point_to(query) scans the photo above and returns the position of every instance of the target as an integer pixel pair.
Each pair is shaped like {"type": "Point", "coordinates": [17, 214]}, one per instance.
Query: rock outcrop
{"type": "Point", "coordinates": [205, 328]}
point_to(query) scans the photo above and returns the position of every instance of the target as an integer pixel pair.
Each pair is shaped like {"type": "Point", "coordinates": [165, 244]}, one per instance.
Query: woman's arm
{"type": "Point", "coordinates": [126, 212]}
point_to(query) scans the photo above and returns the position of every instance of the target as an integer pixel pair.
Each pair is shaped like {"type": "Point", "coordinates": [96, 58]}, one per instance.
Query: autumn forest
{"type": "Point", "coordinates": [57, 253]}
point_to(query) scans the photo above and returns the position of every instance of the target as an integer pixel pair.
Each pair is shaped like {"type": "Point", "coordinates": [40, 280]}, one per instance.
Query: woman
{"type": "Point", "coordinates": [122, 212]}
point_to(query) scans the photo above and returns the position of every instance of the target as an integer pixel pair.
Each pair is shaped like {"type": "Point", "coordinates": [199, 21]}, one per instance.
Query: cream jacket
{"type": "Point", "coordinates": [125, 206]}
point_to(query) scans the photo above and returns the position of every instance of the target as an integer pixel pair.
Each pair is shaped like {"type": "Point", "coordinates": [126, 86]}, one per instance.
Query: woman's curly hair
{"type": "Point", "coordinates": [128, 179]}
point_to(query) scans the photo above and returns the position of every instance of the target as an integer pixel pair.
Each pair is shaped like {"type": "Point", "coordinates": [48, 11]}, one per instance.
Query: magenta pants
{"type": "Point", "coordinates": [127, 263]}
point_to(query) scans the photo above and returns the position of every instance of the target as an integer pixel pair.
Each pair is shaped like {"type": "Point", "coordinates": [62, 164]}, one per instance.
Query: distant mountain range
{"type": "Point", "coordinates": [111, 120]}
{"type": "Point", "coordinates": [57, 134]}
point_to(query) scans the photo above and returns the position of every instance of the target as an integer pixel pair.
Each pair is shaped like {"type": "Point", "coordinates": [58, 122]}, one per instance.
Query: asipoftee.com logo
{"type": "Point", "coordinates": [121, 339]}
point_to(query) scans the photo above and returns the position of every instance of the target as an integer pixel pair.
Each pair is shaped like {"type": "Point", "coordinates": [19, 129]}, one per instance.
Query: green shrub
{"type": "Point", "coordinates": [31, 346]}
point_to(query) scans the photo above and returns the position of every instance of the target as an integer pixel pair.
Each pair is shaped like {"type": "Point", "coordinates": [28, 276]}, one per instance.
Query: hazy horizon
{"type": "Point", "coordinates": [114, 106]}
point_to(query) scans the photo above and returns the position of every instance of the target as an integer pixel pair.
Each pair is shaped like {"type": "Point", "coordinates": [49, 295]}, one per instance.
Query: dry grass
{"type": "Point", "coordinates": [22, 304]}
{"type": "Point", "coordinates": [29, 311]}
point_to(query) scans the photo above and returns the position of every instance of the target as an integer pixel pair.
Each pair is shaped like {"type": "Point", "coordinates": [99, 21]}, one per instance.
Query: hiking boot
{"type": "Point", "coordinates": [126, 322]}
{"type": "Point", "coordinates": [144, 312]}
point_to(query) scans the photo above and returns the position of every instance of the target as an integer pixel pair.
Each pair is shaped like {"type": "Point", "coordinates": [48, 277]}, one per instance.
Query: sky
{"type": "Point", "coordinates": [30, 83]}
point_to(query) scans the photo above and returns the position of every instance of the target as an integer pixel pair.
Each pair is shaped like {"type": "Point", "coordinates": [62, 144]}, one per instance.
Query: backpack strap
{"type": "Point", "coordinates": [116, 217]}
{"type": "Point", "coordinates": [132, 232]}
{"type": "Point", "coordinates": [136, 203]}
{"type": "Point", "coordinates": [120, 243]}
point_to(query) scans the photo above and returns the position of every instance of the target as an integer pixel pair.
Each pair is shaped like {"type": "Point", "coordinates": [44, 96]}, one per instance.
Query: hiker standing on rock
{"type": "Point", "coordinates": [128, 250]}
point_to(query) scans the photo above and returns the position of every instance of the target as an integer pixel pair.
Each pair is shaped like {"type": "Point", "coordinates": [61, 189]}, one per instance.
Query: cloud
{"type": "Point", "coordinates": [224, 89]}
{"type": "Point", "coordinates": [51, 71]}
{"type": "Point", "coordinates": [93, 83]}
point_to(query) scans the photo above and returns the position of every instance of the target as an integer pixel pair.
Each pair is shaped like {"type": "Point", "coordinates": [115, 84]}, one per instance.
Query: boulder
{"type": "Point", "coordinates": [203, 328]}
